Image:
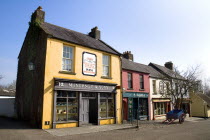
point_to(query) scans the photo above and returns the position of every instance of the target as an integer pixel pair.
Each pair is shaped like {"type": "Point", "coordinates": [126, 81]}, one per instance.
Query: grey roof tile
{"type": "Point", "coordinates": [166, 71]}
{"type": "Point", "coordinates": [130, 65]}
{"type": "Point", "coordinates": [205, 98]}
{"type": "Point", "coordinates": [76, 38]}
{"type": "Point", "coordinates": [154, 73]}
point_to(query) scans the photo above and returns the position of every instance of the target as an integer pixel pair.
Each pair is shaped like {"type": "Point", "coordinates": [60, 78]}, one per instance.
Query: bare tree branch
{"type": "Point", "coordinates": [181, 83]}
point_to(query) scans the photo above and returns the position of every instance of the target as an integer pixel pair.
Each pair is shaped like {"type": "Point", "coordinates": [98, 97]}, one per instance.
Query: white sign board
{"type": "Point", "coordinates": [89, 64]}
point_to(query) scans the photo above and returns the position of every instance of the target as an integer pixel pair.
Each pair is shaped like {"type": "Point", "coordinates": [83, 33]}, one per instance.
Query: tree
{"type": "Point", "coordinates": [206, 86]}
{"type": "Point", "coordinates": [181, 83]}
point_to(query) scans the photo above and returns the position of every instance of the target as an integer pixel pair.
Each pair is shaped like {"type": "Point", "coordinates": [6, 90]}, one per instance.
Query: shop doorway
{"type": "Point", "coordinates": [140, 108]}
{"type": "Point", "coordinates": [88, 109]}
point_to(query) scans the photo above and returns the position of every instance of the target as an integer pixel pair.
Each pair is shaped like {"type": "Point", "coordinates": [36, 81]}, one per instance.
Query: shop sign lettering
{"type": "Point", "coordinates": [84, 87]}
{"type": "Point", "coordinates": [135, 95]}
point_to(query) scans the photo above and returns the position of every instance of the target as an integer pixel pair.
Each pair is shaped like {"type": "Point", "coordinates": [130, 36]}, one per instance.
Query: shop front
{"type": "Point", "coordinates": [135, 106]}
{"type": "Point", "coordinates": [160, 107]}
{"type": "Point", "coordinates": [77, 103]}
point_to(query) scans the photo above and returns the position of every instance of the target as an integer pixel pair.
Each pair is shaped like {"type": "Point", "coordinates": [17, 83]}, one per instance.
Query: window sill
{"type": "Point", "coordinates": [141, 89]}
{"type": "Point", "coordinates": [104, 77]}
{"type": "Point", "coordinates": [67, 72]}
{"type": "Point", "coordinates": [129, 88]}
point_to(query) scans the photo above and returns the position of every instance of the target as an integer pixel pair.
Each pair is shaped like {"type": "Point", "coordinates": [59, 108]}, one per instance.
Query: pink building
{"type": "Point", "coordinates": [136, 88]}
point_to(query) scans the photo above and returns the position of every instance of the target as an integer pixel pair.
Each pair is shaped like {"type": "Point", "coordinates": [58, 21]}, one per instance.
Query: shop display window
{"type": "Point", "coordinates": [106, 105]}
{"type": "Point", "coordinates": [66, 106]}
{"type": "Point", "coordinates": [160, 108]}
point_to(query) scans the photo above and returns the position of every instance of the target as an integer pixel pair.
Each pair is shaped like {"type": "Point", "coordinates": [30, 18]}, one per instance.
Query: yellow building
{"type": "Point", "coordinates": [200, 106]}
{"type": "Point", "coordinates": [73, 78]}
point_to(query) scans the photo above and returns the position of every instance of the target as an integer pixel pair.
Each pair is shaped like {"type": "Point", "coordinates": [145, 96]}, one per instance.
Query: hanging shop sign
{"type": "Point", "coordinates": [135, 95]}
{"type": "Point", "coordinates": [84, 86]}
{"type": "Point", "coordinates": [89, 64]}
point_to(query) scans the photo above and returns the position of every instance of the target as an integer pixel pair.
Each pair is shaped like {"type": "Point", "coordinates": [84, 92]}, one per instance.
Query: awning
{"type": "Point", "coordinates": [160, 100]}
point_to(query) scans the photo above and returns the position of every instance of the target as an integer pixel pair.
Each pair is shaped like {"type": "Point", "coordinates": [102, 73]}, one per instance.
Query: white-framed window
{"type": "Point", "coordinates": [161, 87]}
{"type": "Point", "coordinates": [106, 65]}
{"type": "Point", "coordinates": [154, 87]}
{"type": "Point", "coordinates": [130, 81]}
{"type": "Point", "coordinates": [141, 79]}
{"type": "Point", "coordinates": [67, 60]}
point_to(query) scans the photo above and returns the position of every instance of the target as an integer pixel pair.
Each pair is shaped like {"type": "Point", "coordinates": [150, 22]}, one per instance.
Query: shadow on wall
{"type": "Point", "coordinates": [11, 123]}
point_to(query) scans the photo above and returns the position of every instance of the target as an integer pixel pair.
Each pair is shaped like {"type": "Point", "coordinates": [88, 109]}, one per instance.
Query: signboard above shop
{"type": "Point", "coordinates": [74, 85]}
{"type": "Point", "coordinates": [89, 64]}
{"type": "Point", "coordinates": [135, 95]}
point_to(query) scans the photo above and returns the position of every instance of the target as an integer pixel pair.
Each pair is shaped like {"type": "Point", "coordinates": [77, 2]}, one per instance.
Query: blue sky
{"type": "Point", "coordinates": [153, 30]}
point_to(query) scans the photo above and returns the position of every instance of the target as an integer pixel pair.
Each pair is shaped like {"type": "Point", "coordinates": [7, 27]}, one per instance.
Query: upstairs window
{"type": "Point", "coordinates": [141, 77]}
{"type": "Point", "coordinates": [154, 86]}
{"type": "Point", "coordinates": [161, 87]}
{"type": "Point", "coordinates": [167, 88]}
{"type": "Point", "coordinates": [130, 82]}
{"type": "Point", "coordinates": [106, 66]}
{"type": "Point", "coordinates": [67, 61]}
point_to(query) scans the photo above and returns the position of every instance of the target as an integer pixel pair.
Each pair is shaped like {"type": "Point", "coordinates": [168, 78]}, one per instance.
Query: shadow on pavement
{"type": "Point", "coordinates": [11, 123]}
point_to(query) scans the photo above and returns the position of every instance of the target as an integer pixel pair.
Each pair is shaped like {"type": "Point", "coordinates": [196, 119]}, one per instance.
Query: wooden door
{"type": "Point", "coordinates": [85, 111]}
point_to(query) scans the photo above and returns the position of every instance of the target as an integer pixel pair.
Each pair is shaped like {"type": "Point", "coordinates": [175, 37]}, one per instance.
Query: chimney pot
{"type": "Point", "coordinates": [95, 33]}
{"type": "Point", "coordinates": [128, 55]}
{"type": "Point", "coordinates": [38, 15]}
{"type": "Point", "coordinates": [169, 65]}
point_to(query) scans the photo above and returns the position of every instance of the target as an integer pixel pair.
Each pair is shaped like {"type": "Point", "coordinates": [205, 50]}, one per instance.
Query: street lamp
{"type": "Point", "coordinates": [31, 66]}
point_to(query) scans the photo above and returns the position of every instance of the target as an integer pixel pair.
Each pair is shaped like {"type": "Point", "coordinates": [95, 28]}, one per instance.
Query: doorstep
{"type": "Point", "coordinates": [87, 129]}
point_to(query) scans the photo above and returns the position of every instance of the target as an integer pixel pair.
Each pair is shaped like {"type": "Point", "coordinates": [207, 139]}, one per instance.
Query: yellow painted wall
{"type": "Point", "coordinates": [108, 121]}
{"type": "Point", "coordinates": [197, 107]}
{"type": "Point", "coordinates": [208, 112]}
{"type": "Point", "coordinates": [66, 125]}
{"type": "Point", "coordinates": [54, 64]}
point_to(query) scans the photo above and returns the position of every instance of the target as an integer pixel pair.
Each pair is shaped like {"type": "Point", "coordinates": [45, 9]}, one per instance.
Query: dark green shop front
{"type": "Point", "coordinates": [135, 105]}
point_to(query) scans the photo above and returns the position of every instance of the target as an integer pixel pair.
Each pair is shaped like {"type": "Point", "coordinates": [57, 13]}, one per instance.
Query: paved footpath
{"type": "Point", "coordinates": [191, 129]}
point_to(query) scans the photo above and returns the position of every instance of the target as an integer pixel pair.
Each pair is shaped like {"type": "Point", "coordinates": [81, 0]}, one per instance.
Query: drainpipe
{"type": "Point", "coordinates": [121, 90]}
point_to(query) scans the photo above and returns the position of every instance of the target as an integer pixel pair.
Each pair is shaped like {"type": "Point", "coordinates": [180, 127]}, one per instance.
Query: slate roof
{"type": "Point", "coordinates": [154, 73]}
{"type": "Point", "coordinates": [166, 71]}
{"type": "Point", "coordinates": [205, 98]}
{"type": "Point", "coordinates": [76, 38]}
{"type": "Point", "coordinates": [130, 65]}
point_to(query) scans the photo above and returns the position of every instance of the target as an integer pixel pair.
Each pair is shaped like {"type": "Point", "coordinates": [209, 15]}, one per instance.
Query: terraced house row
{"type": "Point", "coordinates": [69, 79]}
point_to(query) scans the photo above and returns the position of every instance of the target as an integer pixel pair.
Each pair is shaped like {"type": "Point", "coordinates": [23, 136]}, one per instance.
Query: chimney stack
{"type": "Point", "coordinates": [169, 65]}
{"type": "Point", "coordinates": [95, 33]}
{"type": "Point", "coordinates": [128, 55]}
{"type": "Point", "coordinates": [38, 15]}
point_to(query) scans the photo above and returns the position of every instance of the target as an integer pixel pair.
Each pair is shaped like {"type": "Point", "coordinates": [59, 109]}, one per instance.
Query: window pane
{"type": "Point", "coordinates": [67, 55]}
{"type": "Point", "coordinates": [105, 71]}
{"type": "Point", "coordinates": [61, 105]}
{"type": "Point", "coordinates": [67, 58]}
{"type": "Point", "coordinates": [71, 94]}
{"type": "Point", "coordinates": [130, 80]}
{"type": "Point", "coordinates": [103, 109]}
{"type": "Point", "coordinates": [106, 65]}
{"type": "Point", "coordinates": [71, 53]}
{"type": "Point", "coordinates": [72, 109]}
{"type": "Point", "coordinates": [103, 94]}
{"type": "Point", "coordinates": [61, 94]}
{"type": "Point", "coordinates": [105, 60]}
{"type": "Point", "coordinates": [110, 108]}
{"type": "Point", "coordinates": [64, 49]}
